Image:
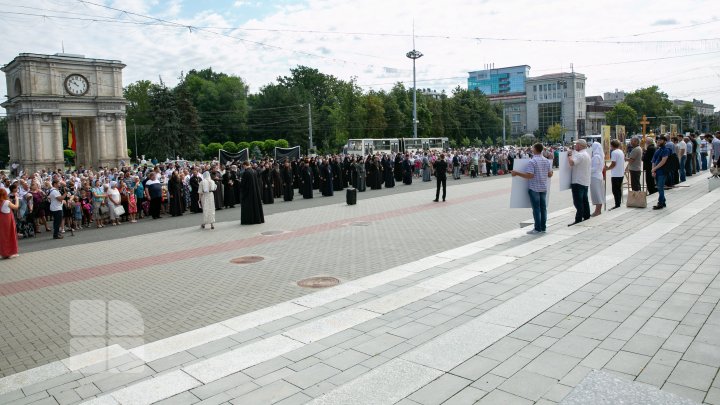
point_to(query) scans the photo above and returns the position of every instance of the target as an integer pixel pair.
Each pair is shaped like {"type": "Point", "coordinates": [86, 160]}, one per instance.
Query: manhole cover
{"type": "Point", "coordinates": [271, 233]}
{"type": "Point", "coordinates": [247, 259]}
{"type": "Point", "coordinates": [318, 282]}
{"type": "Point", "coordinates": [360, 223]}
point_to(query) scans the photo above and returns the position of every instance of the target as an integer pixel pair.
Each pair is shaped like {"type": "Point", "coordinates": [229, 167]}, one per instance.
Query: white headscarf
{"type": "Point", "coordinates": [597, 149]}
{"type": "Point", "coordinates": [207, 184]}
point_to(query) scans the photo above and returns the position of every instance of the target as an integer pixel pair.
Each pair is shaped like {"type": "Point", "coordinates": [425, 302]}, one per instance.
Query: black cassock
{"type": "Point", "coordinates": [251, 203]}
{"type": "Point", "coordinates": [388, 173]}
{"type": "Point", "coordinates": [276, 183]}
{"type": "Point", "coordinates": [267, 190]}
{"type": "Point", "coordinates": [176, 197]}
{"type": "Point", "coordinates": [337, 176]}
{"type": "Point", "coordinates": [398, 168]}
{"type": "Point", "coordinates": [326, 179]}
{"type": "Point", "coordinates": [287, 184]}
{"type": "Point", "coordinates": [306, 182]}
{"type": "Point", "coordinates": [361, 176]}
{"type": "Point", "coordinates": [316, 175]}
{"type": "Point", "coordinates": [194, 196]}
{"type": "Point", "coordinates": [229, 180]}
{"type": "Point", "coordinates": [218, 193]}
{"type": "Point", "coordinates": [407, 171]}
{"type": "Point", "coordinates": [376, 175]}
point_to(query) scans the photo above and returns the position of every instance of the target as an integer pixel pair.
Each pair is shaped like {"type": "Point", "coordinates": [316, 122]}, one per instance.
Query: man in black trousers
{"type": "Point", "coordinates": [440, 168]}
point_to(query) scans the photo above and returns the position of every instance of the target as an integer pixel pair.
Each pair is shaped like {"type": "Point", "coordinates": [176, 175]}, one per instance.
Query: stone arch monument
{"type": "Point", "coordinates": [43, 90]}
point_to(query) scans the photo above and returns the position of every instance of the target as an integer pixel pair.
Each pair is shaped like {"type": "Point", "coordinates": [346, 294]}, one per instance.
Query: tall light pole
{"type": "Point", "coordinates": [414, 54]}
{"type": "Point", "coordinates": [503, 125]}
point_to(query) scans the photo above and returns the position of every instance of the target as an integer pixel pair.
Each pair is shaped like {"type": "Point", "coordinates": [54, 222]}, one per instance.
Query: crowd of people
{"type": "Point", "coordinates": [81, 198]}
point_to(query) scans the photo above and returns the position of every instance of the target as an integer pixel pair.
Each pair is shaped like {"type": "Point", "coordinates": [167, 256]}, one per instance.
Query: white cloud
{"type": "Point", "coordinates": [261, 56]}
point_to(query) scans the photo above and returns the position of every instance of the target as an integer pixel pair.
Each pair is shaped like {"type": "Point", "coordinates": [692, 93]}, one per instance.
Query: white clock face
{"type": "Point", "coordinates": [76, 84]}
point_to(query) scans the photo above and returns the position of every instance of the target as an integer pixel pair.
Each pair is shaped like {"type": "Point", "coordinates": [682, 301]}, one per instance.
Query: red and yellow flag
{"type": "Point", "coordinates": [71, 136]}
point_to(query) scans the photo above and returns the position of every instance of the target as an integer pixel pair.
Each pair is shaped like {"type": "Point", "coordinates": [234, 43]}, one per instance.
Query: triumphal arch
{"type": "Point", "coordinates": [49, 93]}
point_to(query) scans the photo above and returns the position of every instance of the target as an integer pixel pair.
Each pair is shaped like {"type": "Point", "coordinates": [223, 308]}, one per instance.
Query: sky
{"type": "Point", "coordinates": [617, 44]}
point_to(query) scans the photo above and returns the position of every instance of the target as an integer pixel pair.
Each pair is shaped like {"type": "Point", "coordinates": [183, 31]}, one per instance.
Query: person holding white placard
{"type": "Point", "coordinates": [538, 170]}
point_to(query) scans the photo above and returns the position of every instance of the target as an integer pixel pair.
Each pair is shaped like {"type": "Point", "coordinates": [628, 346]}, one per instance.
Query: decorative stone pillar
{"type": "Point", "coordinates": [59, 158]}
{"type": "Point", "coordinates": [102, 146]}
{"type": "Point", "coordinates": [12, 135]}
{"type": "Point", "coordinates": [36, 154]}
{"type": "Point", "coordinates": [120, 138]}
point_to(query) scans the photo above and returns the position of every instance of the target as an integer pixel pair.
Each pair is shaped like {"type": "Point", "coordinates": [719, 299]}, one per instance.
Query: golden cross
{"type": "Point", "coordinates": [644, 122]}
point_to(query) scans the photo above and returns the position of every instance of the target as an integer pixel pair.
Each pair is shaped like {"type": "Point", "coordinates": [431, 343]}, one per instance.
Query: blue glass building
{"type": "Point", "coordinates": [505, 80]}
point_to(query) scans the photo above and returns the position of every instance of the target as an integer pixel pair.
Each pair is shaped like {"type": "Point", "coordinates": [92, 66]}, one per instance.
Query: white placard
{"type": "Point", "coordinates": [519, 197]}
{"type": "Point", "coordinates": [565, 171]}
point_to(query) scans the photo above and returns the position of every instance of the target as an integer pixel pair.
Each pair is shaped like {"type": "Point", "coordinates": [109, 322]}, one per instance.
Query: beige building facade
{"type": "Point", "coordinates": [45, 90]}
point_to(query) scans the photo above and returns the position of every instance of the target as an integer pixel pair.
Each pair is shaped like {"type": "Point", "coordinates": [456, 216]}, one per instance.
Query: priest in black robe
{"type": "Point", "coordinates": [362, 175]}
{"type": "Point", "coordinates": [175, 194]}
{"type": "Point", "coordinates": [276, 181]}
{"type": "Point", "coordinates": [337, 174]}
{"type": "Point", "coordinates": [286, 175]}
{"type": "Point", "coordinates": [407, 170]}
{"type": "Point", "coordinates": [251, 204]}
{"type": "Point", "coordinates": [218, 193]}
{"type": "Point", "coordinates": [398, 168]}
{"type": "Point", "coordinates": [326, 179]}
{"type": "Point", "coordinates": [266, 183]}
{"type": "Point", "coordinates": [306, 180]}
{"type": "Point", "coordinates": [388, 171]}
{"type": "Point", "coordinates": [315, 173]}
{"type": "Point", "coordinates": [229, 184]}
{"type": "Point", "coordinates": [194, 188]}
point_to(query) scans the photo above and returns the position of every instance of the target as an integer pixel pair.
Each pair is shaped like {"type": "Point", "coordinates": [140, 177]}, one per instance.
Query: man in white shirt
{"type": "Point", "coordinates": [703, 152]}
{"type": "Point", "coordinates": [56, 208]}
{"type": "Point", "coordinates": [579, 161]}
{"type": "Point", "coordinates": [681, 149]}
{"type": "Point", "coordinates": [617, 171]}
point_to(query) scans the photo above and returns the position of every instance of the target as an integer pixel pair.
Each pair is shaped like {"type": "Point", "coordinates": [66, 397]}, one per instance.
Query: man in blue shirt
{"type": "Point", "coordinates": [537, 171]}
{"type": "Point", "coordinates": [659, 162]}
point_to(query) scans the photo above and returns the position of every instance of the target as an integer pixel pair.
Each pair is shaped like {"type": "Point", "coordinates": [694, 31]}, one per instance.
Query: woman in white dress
{"type": "Point", "coordinates": [207, 200]}
{"type": "Point", "coordinates": [597, 188]}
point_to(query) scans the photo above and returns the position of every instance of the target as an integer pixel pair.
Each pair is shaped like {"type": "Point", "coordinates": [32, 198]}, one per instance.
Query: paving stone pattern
{"type": "Point", "coordinates": [413, 334]}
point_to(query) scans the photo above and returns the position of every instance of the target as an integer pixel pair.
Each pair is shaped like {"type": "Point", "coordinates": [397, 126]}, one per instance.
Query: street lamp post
{"type": "Point", "coordinates": [503, 125]}
{"type": "Point", "coordinates": [414, 54]}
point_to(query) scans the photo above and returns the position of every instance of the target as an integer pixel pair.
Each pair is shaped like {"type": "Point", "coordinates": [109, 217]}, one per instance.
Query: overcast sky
{"type": "Point", "coordinates": [617, 44]}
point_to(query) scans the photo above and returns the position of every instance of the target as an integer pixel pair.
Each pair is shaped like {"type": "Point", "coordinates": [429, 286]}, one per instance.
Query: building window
{"type": "Point", "coordinates": [549, 114]}
{"type": "Point", "coordinates": [516, 118]}
{"type": "Point", "coordinates": [534, 87]}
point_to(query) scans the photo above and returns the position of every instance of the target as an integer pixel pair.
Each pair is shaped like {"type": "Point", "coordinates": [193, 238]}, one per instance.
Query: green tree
{"type": "Point", "coordinates": [269, 146]}
{"type": "Point", "coordinates": [623, 114]}
{"type": "Point", "coordinates": [221, 100]}
{"type": "Point", "coordinates": [555, 133]}
{"type": "Point", "coordinates": [375, 122]}
{"type": "Point", "coordinates": [139, 113]}
{"type": "Point", "coordinates": [212, 150]}
{"type": "Point", "coordinates": [256, 148]}
{"type": "Point", "coordinates": [686, 111]}
{"type": "Point", "coordinates": [649, 101]}
{"type": "Point", "coordinates": [189, 146]}
{"type": "Point", "coordinates": [243, 145]}
{"type": "Point", "coordinates": [282, 143]}
{"type": "Point", "coordinates": [230, 146]}
{"type": "Point", "coordinates": [165, 140]}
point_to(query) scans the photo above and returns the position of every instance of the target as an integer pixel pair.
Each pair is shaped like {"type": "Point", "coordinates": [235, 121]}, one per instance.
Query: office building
{"type": "Point", "coordinates": [499, 81]}
{"type": "Point", "coordinates": [557, 98]}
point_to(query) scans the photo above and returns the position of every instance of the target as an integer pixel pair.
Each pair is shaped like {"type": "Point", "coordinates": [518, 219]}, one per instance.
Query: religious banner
{"type": "Point", "coordinates": [673, 129]}
{"type": "Point", "coordinates": [606, 130]}
{"type": "Point", "coordinates": [519, 197]}
{"type": "Point", "coordinates": [224, 156]}
{"type": "Point", "coordinates": [662, 129]}
{"type": "Point", "coordinates": [565, 171]}
{"type": "Point", "coordinates": [620, 135]}
{"type": "Point", "coordinates": [290, 153]}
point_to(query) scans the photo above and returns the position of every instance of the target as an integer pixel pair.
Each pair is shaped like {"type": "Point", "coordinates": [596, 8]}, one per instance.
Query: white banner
{"type": "Point", "coordinates": [565, 175]}
{"type": "Point", "coordinates": [519, 197]}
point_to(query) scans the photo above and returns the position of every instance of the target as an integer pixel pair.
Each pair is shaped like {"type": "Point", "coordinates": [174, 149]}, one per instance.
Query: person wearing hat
{"type": "Point", "coordinates": [579, 161]}
{"type": "Point", "coordinates": [659, 161]}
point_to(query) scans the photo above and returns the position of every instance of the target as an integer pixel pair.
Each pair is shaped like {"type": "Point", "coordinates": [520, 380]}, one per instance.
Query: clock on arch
{"type": "Point", "coordinates": [76, 84]}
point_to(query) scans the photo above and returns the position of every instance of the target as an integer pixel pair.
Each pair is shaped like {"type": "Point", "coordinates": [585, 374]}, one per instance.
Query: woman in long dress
{"type": "Point", "coordinates": [206, 191]}
{"type": "Point", "coordinates": [597, 188]}
{"type": "Point", "coordinates": [8, 231]}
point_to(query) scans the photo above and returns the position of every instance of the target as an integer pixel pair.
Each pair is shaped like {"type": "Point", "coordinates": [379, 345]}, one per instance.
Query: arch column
{"type": "Point", "coordinates": [59, 158]}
